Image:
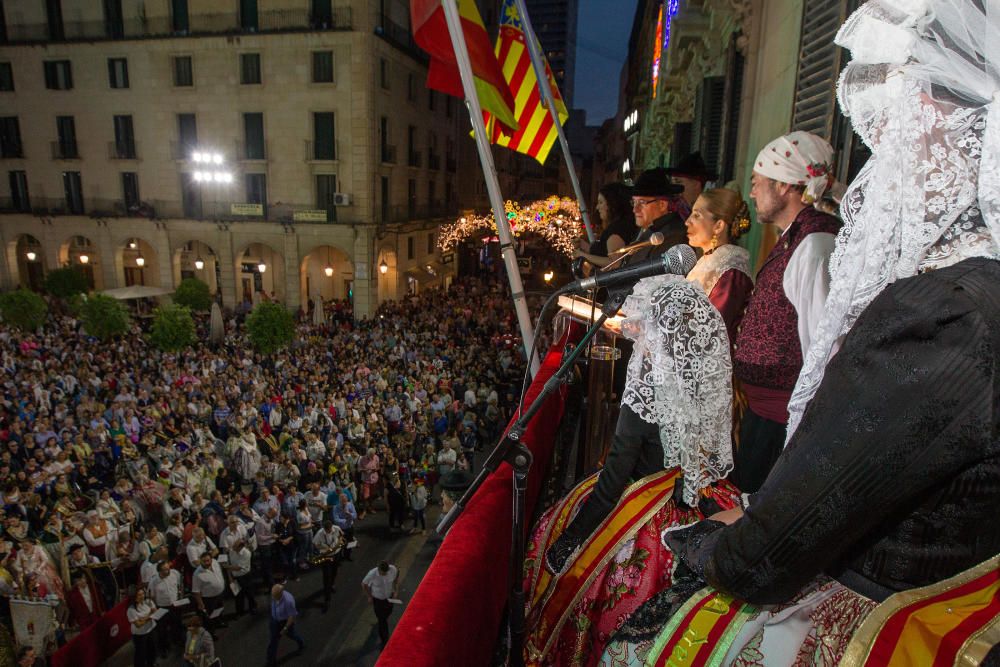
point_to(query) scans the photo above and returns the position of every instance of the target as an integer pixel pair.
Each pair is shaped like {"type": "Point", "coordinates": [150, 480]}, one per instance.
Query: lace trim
{"type": "Point", "coordinates": [712, 266]}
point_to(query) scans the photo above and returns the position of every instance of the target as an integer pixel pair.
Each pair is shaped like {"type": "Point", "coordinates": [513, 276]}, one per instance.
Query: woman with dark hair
{"type": "Point", "coordinates": [140, 616]}
{"type": "Point", "coordinates": [614, 206]}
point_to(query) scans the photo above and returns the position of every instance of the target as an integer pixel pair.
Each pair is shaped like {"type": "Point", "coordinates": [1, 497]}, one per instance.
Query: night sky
{"type": "Point", "coordinates": [603, 28]}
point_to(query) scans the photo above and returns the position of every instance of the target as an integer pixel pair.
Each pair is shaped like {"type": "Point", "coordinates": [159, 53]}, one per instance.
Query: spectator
{"type": "Point", "coordinates": [282, 622]}
{"type": "Point", "coordinates": [380, 585]}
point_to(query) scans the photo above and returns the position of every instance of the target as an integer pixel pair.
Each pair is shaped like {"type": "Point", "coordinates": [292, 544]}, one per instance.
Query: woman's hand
{"type": "Point", "coordinates": [728, 517]}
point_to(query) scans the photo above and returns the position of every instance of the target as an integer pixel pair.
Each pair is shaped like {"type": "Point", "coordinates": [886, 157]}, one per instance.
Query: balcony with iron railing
{"type": "Point", "coordinates": [388, 154]}
{"type": "Point", "coordinates": [434, 161]}
{"type": "Point", "coordinates": [451, 164]}
{"type": "Point", "coordinates": [399, 36]}
{"type": "Point", "coordinates": [283, 20]}
{"type": "Point", "coordinates": [11, 151]}
{"type": "Point", "coordinates": [65, 150]}
{"type": "Point", "coordinates": [413, 158]}
{"type": "Point", "coordinates": [413, 212]}
{"type": "Point", "coordinates": [251, 151]}
{"type": "Point", "coordinates": [122, 150]}
{"type": "Point", "coordinates": [322, 152]}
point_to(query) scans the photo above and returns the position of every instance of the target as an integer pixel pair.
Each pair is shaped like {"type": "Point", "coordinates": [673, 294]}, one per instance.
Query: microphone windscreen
{"type": "Point", "coordinates": [656, 238]}
{"type": "Point", "coordinates": [681, 259]}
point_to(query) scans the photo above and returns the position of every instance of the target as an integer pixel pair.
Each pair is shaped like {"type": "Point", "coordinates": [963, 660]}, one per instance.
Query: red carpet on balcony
{"type": "Point", "coordinates": [454, 616]}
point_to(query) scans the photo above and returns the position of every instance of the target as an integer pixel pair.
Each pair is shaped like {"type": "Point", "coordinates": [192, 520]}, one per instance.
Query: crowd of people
{"type": "Point", "coordinates": [184, 480]}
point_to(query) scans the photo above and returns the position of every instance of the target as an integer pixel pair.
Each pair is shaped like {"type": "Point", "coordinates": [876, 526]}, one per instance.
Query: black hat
{"type": "Point", "coordinates": [655, 183]}
{"type": "Point", "coordinates": [456, 481]}
{"type": "Point", "coordinates": [693, 166]}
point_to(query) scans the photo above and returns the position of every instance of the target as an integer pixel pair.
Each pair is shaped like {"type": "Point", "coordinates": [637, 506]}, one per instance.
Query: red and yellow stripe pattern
{"type": "Point", "coordinates": [639, 502]}
{"type": "Point", "coordinates": [537, 132]}
{"type": "Point", "coordinates": [701, 631]}
{"type": "Point", "coordinates": [954, 622]}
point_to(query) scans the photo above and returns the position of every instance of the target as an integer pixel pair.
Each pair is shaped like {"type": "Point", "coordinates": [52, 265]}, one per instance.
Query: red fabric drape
{"type": "Point", "coordinates": [97, 643]}
{"type": "Point", "coordinates": [454, 616]}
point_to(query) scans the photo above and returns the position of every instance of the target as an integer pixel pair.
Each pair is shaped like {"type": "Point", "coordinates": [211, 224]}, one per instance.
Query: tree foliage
{"type": "Point", "coordinates": [270, 327]}
{"type": "Point", "coordinates": [173, 328]}
{"type": "Point", "coordinates": [103, 317]}
{"type": "Point", "coordinates": [23, 309]}
{"type": "Point", "coordinates": [66, 282]}
{"type": "Point", "coordinates": [194, 294]}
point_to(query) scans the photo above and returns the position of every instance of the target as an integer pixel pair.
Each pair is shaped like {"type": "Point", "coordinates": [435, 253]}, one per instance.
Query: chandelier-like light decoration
{"type": "Point", "coordinates": [556, 219]}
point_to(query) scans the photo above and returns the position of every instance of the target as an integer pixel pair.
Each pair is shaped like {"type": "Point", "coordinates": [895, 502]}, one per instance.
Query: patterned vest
{"type": "Point", "coordinates": [767, 352]}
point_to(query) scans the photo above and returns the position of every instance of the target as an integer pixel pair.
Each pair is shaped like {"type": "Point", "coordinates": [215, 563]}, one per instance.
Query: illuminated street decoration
{"type": "Point", "coordinates": [556, 219]}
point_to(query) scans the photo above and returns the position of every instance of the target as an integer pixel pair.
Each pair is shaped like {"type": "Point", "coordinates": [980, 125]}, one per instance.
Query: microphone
{"type": "Point", "coordinates": [656, 238]}
{"type": "Point", "coordinates": [677, 261]}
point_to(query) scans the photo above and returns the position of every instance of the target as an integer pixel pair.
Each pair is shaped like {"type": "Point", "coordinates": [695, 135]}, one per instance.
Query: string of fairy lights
{"type": "Point", "coordinates": [555, 219]}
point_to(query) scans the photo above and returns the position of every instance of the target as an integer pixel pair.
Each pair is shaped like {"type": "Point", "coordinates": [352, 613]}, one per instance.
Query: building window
{"type": "Point", "coordinates": [19, 200]}
{"type": "Point", "coordinates": [114, 20]}
{"type": "Point", "coordinates": [66, 147]}
{"type": "Point", "coordinates": [383, 73]}
{"type": "Point", "coordinates": [118, 72]}
{"type": "Point", "coordinates": [10, 137]}
{"type": "Point", "coordinates": [411, 87]}
{"type": "Point", "coordinates": [430, 99]}
{"type": "Point", "coordinates": [179, 21]}
{"type": "Point", "coordinates": [409, 247]}
{"type": "Point", "coordinates": [412, 154]}
{"type": "Point", "coordinates": [183, 71]}
{"type": "Point", "coordinates": [257, 190]}
{"type": "Point", "coordinates": [448, 108]}
{"type": "Point", "coordinates": [249, 68]}
{"type": "Point", "coordinates": [324, 136]}
{"type": "Point", "coordinates": [130, 190]}
{"type": "Point", "coordinates": [73, 188]}
{"type": "Point", "coordinates": [384, 199]}
{"type": "Point", "coordinates": [322, 66]}
{"type": "Point", "coordinates": [411, 201]}
{"type": "Point", "coordinates": [190, 197]}
{"type": "Point", "coordinates": [124, 138]}
{"type": "Point", "coordinates": [248, 15]}
{"type": "Point", "coordinates": [430, 241]}
{"type": "Point", "coordinates": [253, 134]}
{"type": "Point", "coordinates": [58, 74]}
{"type": "Point", "coordinates": [321, 14]}
{"type": "Point", "coordinates": [187, 134]}
{"type": "Point", "coordinates": [54, 20]}
{"type": "Point", "coordinates": [326, 188]}
{"type": "Point", "coordinates": [6, 77]}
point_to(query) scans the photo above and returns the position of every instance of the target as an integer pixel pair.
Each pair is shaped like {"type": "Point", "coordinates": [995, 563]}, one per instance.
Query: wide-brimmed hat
{"type": "Point", "coordinates": [692, 166]}
{"type": "Point", "coordinates": [655, 183]}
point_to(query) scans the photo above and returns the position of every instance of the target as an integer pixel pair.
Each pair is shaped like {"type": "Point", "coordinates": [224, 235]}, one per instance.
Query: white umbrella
{"type": "Point", "coordinates": [217, 329]}
{"type": "Point", "coordinates": [136, 292]}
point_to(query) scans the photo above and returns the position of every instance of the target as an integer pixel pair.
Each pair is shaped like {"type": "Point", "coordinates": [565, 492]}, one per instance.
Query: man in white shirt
{"type": "Point", "coordinates": [327, 544]}
{"type": "Point", "coordinates": [380, 585]}
{"type": "Point", "coordinates": [200, 544]}
{"type": "Point", "coordinates": [316, 503]}
{"type": "Point", "coordinates": [165, 588]}
{"type": "Point", "coordinates": [235, 531]}
{"type": "Point", "coordinates": [239, 570]}
{"type": "Point", "coordinates": [264, 530]}
{"type": "Point", "coordinates": [208, 585]}
{"type": "Point", "coordinates": [790, 175]}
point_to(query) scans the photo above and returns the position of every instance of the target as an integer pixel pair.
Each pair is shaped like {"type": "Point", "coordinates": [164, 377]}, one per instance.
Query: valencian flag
{"type": "Point", "coordinates": [537, 131]}
{"type": "Point", "coordinates": [430, 31]}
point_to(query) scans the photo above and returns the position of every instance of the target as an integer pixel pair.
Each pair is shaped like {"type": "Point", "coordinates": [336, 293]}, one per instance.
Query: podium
{"type": "Point", "coordinates": [603, 401]}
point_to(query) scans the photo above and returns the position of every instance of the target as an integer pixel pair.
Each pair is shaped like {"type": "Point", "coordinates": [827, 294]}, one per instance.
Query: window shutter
{"type": "Point", "coordinates": [820, 62]}
{"type": "Point", "coordinates": [733, 96]}
{"type": "Point", "coordinates": [709, 107]}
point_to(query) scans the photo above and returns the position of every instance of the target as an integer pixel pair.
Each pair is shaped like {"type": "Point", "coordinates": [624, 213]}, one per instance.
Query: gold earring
{"type": "Point", "coordinates": [715, 241]}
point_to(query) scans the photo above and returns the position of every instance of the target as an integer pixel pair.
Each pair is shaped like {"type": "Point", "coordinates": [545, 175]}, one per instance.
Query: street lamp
{"type": "Point", "coordinates": [262, 267]}
{"type": "Point", "coordinates": [132, 244]}
{"type": "Point", "coordinates": [548, 275]}
{"type": "Point", "coordinates": [383, 268]}
{"type": "Point", "coordinates": [30, 255]}
{"type": "Point", "coordinates": [199, 264]}
{"type": "Point", "coordinates": [140, 261]}
{"type": "Point", "coordinates": [84, 259]}
{"type": "Point", "coordinates": [328, 271]}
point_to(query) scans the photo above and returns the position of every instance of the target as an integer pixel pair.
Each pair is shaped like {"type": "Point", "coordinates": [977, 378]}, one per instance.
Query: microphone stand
{"type": "Point", "coordinates": [513, 451]}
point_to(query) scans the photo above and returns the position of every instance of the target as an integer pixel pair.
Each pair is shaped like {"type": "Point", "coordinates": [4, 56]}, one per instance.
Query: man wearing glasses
{"type": "Point", "coordinates": [654, 212]}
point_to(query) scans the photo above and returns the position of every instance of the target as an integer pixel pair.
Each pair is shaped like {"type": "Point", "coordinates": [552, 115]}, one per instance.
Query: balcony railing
{"type": "Point", "coordinates": [413, 159]}
{"type": "Point", "coordinates": [64, 150]}
{"type": "Point", "coordinates": [451, 164]}
{"type": "Point", "coordinates": [388, 154]}
{"type": "Point", "coordinates": [199, 24]}
{"type": "Point", "coordinates": [251, 152]}
{"type": "Point", "coordinates": [321, 152]}
{"type": "Point", "coordinates": [408, 212]}
{"type": "Point", "coordinates": [434, 161]}
{"type": "Point", "coordinates": [12, 152]}
{"type": "Point", "coordinates": [400, 37]}
{"type": "Point", "coordinates": [122, 151]}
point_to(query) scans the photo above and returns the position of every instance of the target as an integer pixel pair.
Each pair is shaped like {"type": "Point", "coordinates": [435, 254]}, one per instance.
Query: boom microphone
{"type": "Point", "coordinates": [677, 261]}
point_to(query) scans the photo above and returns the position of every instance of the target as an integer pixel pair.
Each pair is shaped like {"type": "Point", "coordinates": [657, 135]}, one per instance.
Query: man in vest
{"type": "Point", "coordinates": [790, 175]}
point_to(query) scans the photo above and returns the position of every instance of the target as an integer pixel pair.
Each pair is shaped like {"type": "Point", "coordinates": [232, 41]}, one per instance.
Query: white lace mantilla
{"type": "Point", "coordinates": [712, 266]}
{"type": "Point", "coordinates": [680, 377]}
{"type": "Point", "coordinates": [922, 92]}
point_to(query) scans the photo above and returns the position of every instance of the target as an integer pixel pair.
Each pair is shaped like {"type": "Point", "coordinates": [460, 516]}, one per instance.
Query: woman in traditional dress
{"type": "Point", "coordinates": [33, 558]}
{"type": "Point", "coordinates": [718, 218]}
{"type": "Point", "coordinates": [679, 385]}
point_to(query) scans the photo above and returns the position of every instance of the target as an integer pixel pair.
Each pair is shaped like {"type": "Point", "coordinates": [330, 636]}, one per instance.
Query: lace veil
{"type": "Point", "coordinates": [923, 92]}
{"type": "Point", "coordinates": [712, 266]}
{"type": "Point", "coordinates": [680, 377]}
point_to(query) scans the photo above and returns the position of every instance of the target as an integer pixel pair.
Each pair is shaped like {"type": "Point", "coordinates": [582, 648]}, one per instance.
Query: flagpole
{"type": "Point", "coordinates": [550, 103]}
{"type": "Point", "coordinates": [454, 21]}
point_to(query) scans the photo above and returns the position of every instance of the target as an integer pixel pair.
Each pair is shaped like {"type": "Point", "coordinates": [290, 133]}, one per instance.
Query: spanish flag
{"type": "Point", "coordinates": [430, 31]}
{"type": "Point", "coordinates": [537, 131]}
